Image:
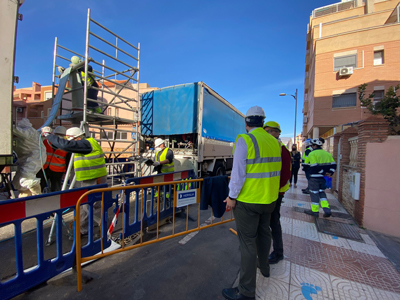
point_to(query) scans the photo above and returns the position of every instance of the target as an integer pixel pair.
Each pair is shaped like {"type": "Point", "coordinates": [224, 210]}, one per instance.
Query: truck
{"type": "Point", "coordinates": [197, 124]}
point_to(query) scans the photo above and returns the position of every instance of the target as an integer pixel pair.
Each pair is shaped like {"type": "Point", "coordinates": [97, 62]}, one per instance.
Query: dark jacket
{"type": "Point", "coordinates": [213, 192]}
{"type": "Point", "coordinates": [82, 146]}
{"type": "Point", "coordinates": [296, 159]}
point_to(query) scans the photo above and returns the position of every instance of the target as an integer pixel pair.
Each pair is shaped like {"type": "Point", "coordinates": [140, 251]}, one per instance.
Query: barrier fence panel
{"type": "Point", "coordinates": [183, 194]}
{"type": "Point", "coordinates": [16, 279]}
{"type": "Point", "coordinates": [132, 219]}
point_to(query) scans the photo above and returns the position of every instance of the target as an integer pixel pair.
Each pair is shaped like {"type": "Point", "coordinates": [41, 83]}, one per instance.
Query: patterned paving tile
{"type": "Point", "coordinates": [363, 268]}
{"type": "Point", "coordinates": [381, 294]}
{"type": "Point", "coordinates": [334, 240]}
{"type": "Point", "coordinates": [281, 271]}
{"type": "Point", "coordinates": [305, 230]}
{"type": "Point", "coordinates": [365, 248]}
{"type": "Point", "coordinates": [349, 290]}
{"type": "Point", "coordinates": [308, 292]}
{"type": "Point", "coordinates": [287, 225]}
{"type": "Point", "coordinates": [367, 239]}
{"type": "Point", "coordinates": [312, 282]}
{"type": "Point", "coordinates": [309, 254]}
{"type": "Point", "coordinates": [271, 288]}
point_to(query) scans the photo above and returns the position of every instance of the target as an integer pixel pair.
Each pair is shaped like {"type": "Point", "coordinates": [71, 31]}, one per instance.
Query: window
{"type": "Point", "coordinates": [117, 112]}
{"type": "Point", "coordinates": [92, 134]}
{"type": "Point", "coordinates": [378, 58]}
{"type": "Point", "coordinates": [107, 135]}
{"type": "Point", "coordinates": [378, 96]}
{"type": "Point", "coordinates": [47, 95]}
{"type": "Point", "coordinates": [109, 111]}
{"type": "Point", "coordinates": [48, 112]}
{"type": "Point", "coordinates": [122, 136]}
{"type": "Point", "coordinates": [344, 100]}
{"type": "Point", "coordinates": [345, 61]}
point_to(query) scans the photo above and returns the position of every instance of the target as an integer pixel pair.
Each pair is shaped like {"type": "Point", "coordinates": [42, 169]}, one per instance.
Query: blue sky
{"type": "Point", "coordinates": [247, 51]}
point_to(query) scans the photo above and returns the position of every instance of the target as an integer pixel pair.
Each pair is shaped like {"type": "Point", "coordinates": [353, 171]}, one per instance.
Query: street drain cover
{"type": "Point", "coordinates": [338, 229]}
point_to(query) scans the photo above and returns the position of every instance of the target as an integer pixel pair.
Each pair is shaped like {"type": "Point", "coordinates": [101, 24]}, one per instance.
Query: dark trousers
{"type": "Point", "coordinates": [252, 223]}
{"type": "Point", "coordinates": [54, 179]}
{"type": "Point", "coordinates": [317, 187]}
{"type": "Point", "coordinates": [295, 172]}
{"type": "Point", "coordinates": [276, 229]}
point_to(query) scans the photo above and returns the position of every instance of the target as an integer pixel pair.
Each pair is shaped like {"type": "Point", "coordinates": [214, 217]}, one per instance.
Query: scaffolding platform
{"type": "Point", "coordinates": [95, 118]}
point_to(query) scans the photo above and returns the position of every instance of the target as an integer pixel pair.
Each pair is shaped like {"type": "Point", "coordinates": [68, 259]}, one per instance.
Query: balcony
{"type": "Point", "coordinates": [333, 8]}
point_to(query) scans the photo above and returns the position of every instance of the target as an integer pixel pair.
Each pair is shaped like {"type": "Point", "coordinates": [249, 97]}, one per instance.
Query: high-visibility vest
{"type": "Point", "coordinates": [166, 168]}
{"type": "Point", "coordinates": [92, 165]}
{"type": "Point", "coordinates": [56, 159]}
{"type": "Point", "coordinates": [285, 187]}
{"type": "Point", "coordinates": [263, 168]}
{"type": "Point", "coordinates": [321, 162]}
{"type": "Point", "coordinates": [89, 79]}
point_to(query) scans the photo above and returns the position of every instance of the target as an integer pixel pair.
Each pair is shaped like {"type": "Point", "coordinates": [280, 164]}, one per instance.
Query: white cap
{"type": "Point", "coordinates": [61, 130]}
{"type": "Point", "coordinates": [255, 111]}
{"type": "Point", "coordinates": [158, 142]}
{"type": "Point", "coordinates": [74, 132]}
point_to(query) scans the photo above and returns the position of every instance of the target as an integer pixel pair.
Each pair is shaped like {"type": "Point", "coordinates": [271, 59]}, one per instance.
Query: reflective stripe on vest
{"type": "Point", "coordinates": [285, 187]}
{"type": "Point", "coordinates": [263, 168]}
{"type": "Point", "coordinates": [89, 79]}
{"type": "Point", "coordinates": [92, 165]}
{"type": "Point", "coordinates": [55, 159]}
{"type": "Point", "coordinates": [167, 167]}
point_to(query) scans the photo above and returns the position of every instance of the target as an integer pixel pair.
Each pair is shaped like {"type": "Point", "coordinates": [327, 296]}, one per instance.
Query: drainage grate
{"type": "Point", "coordinates": [338, 229]}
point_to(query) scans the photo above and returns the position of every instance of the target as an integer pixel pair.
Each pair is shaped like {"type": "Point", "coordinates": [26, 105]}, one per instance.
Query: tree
{"type": "Point", "coordinates": [387, 107]}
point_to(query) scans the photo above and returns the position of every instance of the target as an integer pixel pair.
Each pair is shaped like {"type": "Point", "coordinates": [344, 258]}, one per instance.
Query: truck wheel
{"type": "Point", "coordinates": [219, 169]}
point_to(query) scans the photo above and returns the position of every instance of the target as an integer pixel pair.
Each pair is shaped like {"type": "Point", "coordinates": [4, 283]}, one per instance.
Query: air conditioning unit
{"type": "Point", "coordinates": [345, 71]}
{"type": "Point", "coordinates": [19, 109]}
{"type": "Point", "coordinates": [305, 120]}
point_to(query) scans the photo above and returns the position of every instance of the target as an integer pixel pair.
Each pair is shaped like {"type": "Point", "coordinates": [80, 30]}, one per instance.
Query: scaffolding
{"type": "Point", "coordinates": [116, 127]}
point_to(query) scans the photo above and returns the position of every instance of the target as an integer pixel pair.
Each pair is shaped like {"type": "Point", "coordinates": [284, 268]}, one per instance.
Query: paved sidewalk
{"type": "Point", "coordinates": [323, 266]}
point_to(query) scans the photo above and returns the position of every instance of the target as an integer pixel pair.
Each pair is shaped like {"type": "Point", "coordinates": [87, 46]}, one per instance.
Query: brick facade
{"type": "Point", "coordinates": [372, 130]}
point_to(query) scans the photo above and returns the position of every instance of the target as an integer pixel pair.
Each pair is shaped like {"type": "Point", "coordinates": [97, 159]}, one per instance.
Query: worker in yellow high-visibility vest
{"type": "Point", "coordinates": [164, 159]}
{"type": "Point", "coordinates": [253, 190]}
{"type": "Point", "coordinates": [89, 163]}
{"type": "Point", "coordinates": [274, 129]}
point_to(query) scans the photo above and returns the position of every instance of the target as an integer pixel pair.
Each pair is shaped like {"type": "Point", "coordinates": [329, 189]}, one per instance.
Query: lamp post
{"type": "Point", "coordinates": [295, 113]}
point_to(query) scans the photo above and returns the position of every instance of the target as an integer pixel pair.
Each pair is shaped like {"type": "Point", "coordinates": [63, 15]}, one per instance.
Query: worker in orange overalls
{"type": "Point", "coordinates": [56, 164]}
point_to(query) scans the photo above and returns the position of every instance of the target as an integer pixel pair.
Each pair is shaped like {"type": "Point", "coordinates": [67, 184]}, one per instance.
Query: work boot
{"type": "Point", "coordinates": [311, 213]}
{"type": "Point", "coordinates": [306, 192]}
{"type": "Point", "coordinates": [327, 215]}
{"type": "Point", "coordinates": [274, 259]}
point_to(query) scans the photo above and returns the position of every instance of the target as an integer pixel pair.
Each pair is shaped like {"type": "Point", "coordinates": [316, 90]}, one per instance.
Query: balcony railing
{"type": "Point", "coordinates": [330, 9]}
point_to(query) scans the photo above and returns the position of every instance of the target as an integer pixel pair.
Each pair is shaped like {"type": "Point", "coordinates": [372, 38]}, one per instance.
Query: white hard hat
{"type": "Point", "coordinates": [317, 142]}
{"type": "Point", "coordinates": [158, 142]}
{"type": "Point", "coordinates": [74, 132]}
{"type": "Point", "coordinates": [61, 130]}
{"type": "Point", "coordinates": [255, 111]}
{"type": "Point", "coordinates": [75, 60]}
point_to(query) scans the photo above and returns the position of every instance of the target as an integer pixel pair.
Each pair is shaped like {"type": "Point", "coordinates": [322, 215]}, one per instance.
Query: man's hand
{"type": "Point", "coordinates": [230, 204]}
{"type": "Point", "coordinates": [156, 164]}
{"type": "Point", "coordinates": [46, 131]}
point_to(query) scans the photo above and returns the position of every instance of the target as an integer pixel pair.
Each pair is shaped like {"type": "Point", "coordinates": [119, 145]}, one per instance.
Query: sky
{"type": "Point", "coordinates": [247, 51]}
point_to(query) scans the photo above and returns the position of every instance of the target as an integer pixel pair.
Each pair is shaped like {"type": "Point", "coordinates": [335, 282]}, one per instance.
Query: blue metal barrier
{"type": "Point", "coordinates": [41, 207]}
{"type": "Point", "coordinates": [149, 217]}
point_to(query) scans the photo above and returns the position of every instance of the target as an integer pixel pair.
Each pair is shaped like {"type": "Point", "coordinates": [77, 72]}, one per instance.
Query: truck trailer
{"type": "Point", "coordinates": [198, 125]}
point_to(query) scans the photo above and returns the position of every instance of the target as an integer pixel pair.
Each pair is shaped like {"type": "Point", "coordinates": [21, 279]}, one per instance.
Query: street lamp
{"type": "Point", "coordinates": [295, 113]}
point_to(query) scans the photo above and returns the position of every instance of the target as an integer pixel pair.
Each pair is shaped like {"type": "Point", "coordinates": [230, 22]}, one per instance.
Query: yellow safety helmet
{"type": "Point", "coordinates": [272, 124]}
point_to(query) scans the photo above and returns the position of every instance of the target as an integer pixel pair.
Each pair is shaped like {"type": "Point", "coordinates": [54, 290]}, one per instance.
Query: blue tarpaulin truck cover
{"type": "Point", "coordinates": [174, 110]}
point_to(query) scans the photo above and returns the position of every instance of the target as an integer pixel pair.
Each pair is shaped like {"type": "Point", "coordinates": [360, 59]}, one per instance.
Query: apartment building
{"type": "Point", "coordinates": [348, 43]}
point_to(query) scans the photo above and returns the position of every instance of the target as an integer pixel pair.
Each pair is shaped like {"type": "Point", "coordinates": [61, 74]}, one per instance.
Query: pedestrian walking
{"type": "Point", "coordinates": [253, 190]}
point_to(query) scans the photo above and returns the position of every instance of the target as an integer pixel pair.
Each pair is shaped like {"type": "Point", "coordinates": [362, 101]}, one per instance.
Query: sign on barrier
{"type": "Point", "coordinates": [186, 198]}
{"type": "Point", "coordinates": [41, 208]}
